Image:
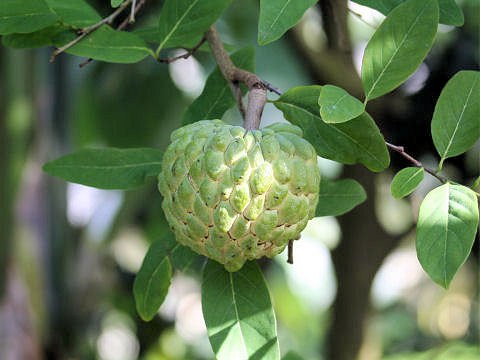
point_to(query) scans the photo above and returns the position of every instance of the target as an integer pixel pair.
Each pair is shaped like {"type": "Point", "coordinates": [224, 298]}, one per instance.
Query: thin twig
{"type": "Point", "coordinates": [401, 151]}
{"type": "Point", "coordinates": [272, 88]}
{"type": "Point", "coordinates": [86, 62]}
{"type": "Point", "coordinates": [122, 26]}
{"type": "Point", "coordinates": [84, 32]}
{"type": "Point", "coordinates": [290, 252]}
{"type": "Point", "coordinates": [132, 12]}
{"type": "Point", "coordinates": [186, 55]}
{"type": "Point", "coordinates": [127, 21]}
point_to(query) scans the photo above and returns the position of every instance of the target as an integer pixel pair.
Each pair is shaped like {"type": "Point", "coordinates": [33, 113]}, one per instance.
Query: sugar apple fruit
{"type": "Point", "coordinates": [235, 195]}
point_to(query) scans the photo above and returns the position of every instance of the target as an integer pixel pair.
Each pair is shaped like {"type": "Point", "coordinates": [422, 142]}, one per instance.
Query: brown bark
{"type": "Point", "coordinates": [362, 249]}
{"type": "Point", "coordinates": [18, 339]}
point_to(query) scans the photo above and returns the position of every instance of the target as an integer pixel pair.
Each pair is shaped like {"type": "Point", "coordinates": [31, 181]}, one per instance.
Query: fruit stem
{"type": "Point", "coordinates": [290, 252]}
{"type": "Point", "coordinates": [257, 96]}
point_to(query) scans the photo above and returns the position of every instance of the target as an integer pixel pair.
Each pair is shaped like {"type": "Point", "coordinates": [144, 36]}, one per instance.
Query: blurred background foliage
{"type": "Point", "coordinates": [69, 254]}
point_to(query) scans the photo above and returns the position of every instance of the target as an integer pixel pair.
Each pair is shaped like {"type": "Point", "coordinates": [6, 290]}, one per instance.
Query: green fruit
{"type": "Point", "coordinates": [235, 195]}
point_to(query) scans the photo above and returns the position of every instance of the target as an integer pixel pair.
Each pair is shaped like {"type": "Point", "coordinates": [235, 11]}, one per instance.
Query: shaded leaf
{"type": "Point", "coordinates": [109, 168]}
{"type": "Point", "coordinates": [216, 97]}
{"type": "Point", "coordinates": [476, 183]}
{"type": "Point", "coordinates": [450, 12]}
{"type": "Point", "coordinates": [405, 181]}
{"type": "Point", "coordinates": [151, 34]}
{"type": "Point", "coordinates": [40, 38]}
{"type": "Point", "coordinates": [238, 313]}
{"type": "Point", "coordinates": [337, 106]}
{"type": "Point", "coordinates": [77, 13]}
{"type": "Point", "coordinates": [399, 46]}
{"type": "Point", "coordinates": [456, 119]}
{"type": "Point", "coordinates": [276, 17]}
{"type": "Point", "coordinates": [446, 228]}
{"type": "Point", "coordinates": [292, 355]}
{"type": "Point", "coordinates": [181, 257]}
{"type": "Point", "coordinates": [384, 6]}
{"type": "Point", "coordinates": [358, 140]}
{"type": "Point", "coordinates": [107, 44]}
{"type": "Point", "coordinates": [24, 16]}
{"type": "Point", "coordinates": [339, 197]}
{"type": "Point", "coordinates": [115, 3]}
{"type": "Point", "coordinates": [152, 281]}
{"type": "Point", "coordinates": [125, 116]}
{"type": "Point", "coordinates": [182, 20]}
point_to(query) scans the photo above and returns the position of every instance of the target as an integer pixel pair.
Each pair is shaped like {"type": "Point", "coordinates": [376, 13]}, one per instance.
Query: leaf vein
{"type": "Point", "coordinates": [458, 122]}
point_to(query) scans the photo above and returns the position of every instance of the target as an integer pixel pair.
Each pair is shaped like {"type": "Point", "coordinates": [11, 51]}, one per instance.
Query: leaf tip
{"type": "Point", "coordinates": [145, 317]}
{"type": "Point", "coordinates": [47, 167]}
{"type": "Point", "coordinates": [262, 40]}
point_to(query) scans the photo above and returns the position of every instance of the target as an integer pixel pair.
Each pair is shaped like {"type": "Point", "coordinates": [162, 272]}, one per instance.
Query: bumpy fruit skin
{"type": "Point", "coordinates": [235, 195]}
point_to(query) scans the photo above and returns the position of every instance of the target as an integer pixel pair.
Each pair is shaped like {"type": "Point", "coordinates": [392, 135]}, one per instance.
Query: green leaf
{"type": "Point", "coordinates": [115, 3]}
{"type": "Point", "coordinates": [276, 17]}
{"type": "Point", "coordinates": [24, 16]}
{"type": "Point", "coordinates": [384, 6]}
{"type": "Point", "coordinates": [180, 20]}
{"type": "Point", "coordinates": [151, 34]}
{"type": "Point", "coordinates": [152, 281]}
{"type": "Point", "coordinates": [358, 140]}
{"type": "Point", "coordinates": [106, 44]}
{"type": "Point", "coordinates": [406, 181]}
{"type": "Point", "coordinates": [456, 119]}
{"type": "Point", "coordinates": [446, 228]}
{"type": "Point", "coordinates": [181, 257]}
{"type": "Point", "coordinates": [292, 355]}
{"type": "Point", "coordinates": [450, 12]}
{"type": "Point", "coordinates": [476, 183]}
{"type": "Point", "coordinates": [238, 313]}
{"type": "Point", "coordinates": [399, 46]}
{"type": "Point", "coordinates": [40, 38]}
{"type": "Point", "coordinates": [77, 13]}
{"type": "Point", "coordinates": [338, 106]}
{"type": "Point", "coordinates": [216, 97]}
{"type": "Point", "coordinates": [107, 168]}
{"type": "Point", "coordinates": [339, 197]}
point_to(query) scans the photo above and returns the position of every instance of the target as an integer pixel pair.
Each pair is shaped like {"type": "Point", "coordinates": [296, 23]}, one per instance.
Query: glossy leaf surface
{"type": "Point", "coordinates": [456, 119]}
{"type": "Point", "coordinates": [108, 168]}
{"type": "Point", "coordinates": [339, 197]}
{"type": "Point", "coordinates": [40, 38]}
{"type": "Point", "coordinates": [356, 141]}
{"type": "Point", "coordinates": [106, 44]}
{"type": "Point", "coordinates": [238, 313]}
{"type": "Point", "coordinates": [152, 281]}
{"type": "Point", "coordinates": [406, 180]}
{"type": "Point", "coordinates": [450, 12]}
{"type": "Point", "coordinates": [77, 13]}
{"type": "Point", "coordinates": [446, 228]}
{"type": "Point", "coordinates": [24, 16]}
{"type": "Point", "coordinates": [277, 16]}
{"type": "Point", "coordinates": [182, 20]}
{"type": "Point", "coordinates": [398, 46]}
{"type": "Point", "coordinates": [337, 106]}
